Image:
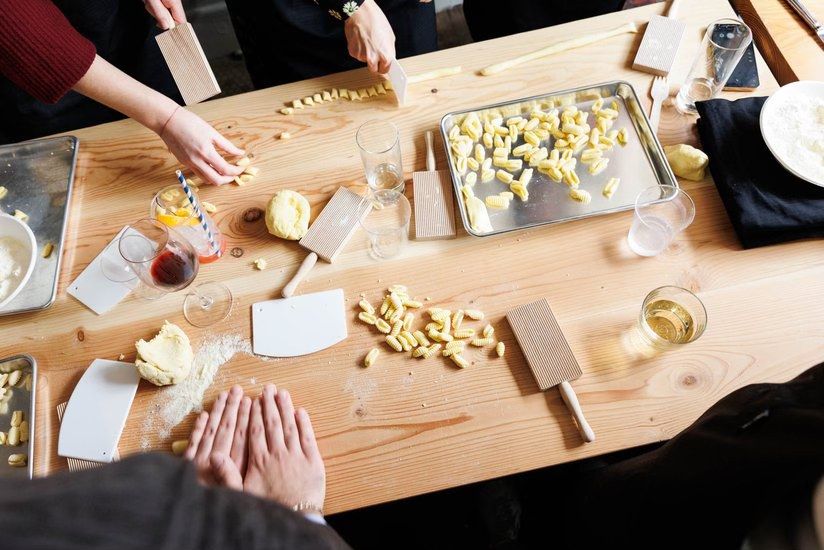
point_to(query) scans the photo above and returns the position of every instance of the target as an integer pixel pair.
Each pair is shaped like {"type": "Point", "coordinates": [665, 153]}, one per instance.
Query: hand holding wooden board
{"type": "Point", "coordinates": [559, 47]}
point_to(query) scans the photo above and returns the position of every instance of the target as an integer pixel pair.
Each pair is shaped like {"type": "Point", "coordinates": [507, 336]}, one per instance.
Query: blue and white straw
{"type": "Point", "coordinates": [196, 206]}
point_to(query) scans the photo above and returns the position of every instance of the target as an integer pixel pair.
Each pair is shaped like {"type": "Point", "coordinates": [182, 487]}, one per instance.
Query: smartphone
{"type": "Point", "coordinates": [745, 76]}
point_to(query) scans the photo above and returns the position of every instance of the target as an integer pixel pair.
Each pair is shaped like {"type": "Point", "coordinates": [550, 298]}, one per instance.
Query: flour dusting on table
{"type": "Point", "coordinates": [173, 403]}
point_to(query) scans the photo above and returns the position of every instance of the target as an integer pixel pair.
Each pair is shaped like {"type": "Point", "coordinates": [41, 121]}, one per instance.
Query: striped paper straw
{"type": "Point", "coordinates": [196, 206]}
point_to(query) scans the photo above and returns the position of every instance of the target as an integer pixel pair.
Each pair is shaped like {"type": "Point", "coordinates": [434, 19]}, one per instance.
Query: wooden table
{"type": "Point", "coordinates": [386, 433]}
{"type": "Point", "coordinates": [790, 47]}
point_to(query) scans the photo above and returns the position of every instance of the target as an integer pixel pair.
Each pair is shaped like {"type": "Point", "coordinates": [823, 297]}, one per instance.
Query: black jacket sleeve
{"type": "Point", "coordinates": [149, 501]}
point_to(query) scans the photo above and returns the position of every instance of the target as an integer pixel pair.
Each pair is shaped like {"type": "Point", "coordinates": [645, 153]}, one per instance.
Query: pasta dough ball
{"type": "Point", "coordinates": [687, 161]}
{"type": "Point", "coordinates": [166, 358]}
{"type": "Point", "coordinates": [287, 215]}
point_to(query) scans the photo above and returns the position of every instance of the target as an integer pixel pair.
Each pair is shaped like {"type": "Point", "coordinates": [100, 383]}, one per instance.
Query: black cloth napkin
{"type": "Point", "coordinates": [766, 203]}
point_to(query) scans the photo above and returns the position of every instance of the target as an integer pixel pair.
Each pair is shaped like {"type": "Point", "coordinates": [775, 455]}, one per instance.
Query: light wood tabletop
{"type": "Point", "coordinates": [789, 45]}
{"type": "Point", "coordinates": [405, 427]}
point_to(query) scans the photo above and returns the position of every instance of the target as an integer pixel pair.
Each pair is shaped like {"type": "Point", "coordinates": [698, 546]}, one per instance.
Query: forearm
{"type": "Point", "coordinates": [110, 86]}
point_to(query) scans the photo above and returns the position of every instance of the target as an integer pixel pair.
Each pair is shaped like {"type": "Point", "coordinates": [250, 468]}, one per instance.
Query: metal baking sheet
{"type": "Point", "coordinates": [639, 164]}
{"type": "Point", "coordinates": [21, 400]}
{"type": "Point", "coordinates": [38, 175]}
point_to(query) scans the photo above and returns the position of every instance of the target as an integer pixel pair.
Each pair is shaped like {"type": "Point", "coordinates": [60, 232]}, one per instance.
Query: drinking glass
{"type": "Point", "coordinates": [387, 223]}
{"type": "Point", "coordinates": [166, 262]}
{"type": "Point", "coordinates": [722, 47]}
{"type": "Point", "coordinates": [171, 207]}
{"type": "Point", "coordinates": [661, 212]}
{"type": "Point", "coordinates": [380, 150]}
{"type": "Point", "coordinates": [671, 316]}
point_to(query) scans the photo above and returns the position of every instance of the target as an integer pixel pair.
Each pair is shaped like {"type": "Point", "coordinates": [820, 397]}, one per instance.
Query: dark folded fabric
{"type": "Point", "coordinates": [766, 204]}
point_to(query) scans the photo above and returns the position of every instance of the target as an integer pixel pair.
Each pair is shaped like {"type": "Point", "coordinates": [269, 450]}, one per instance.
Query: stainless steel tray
{"type": "Point", "coordinates": [38, 175]}
{"type": "Point", "coordinates": [640, 164]}
{"type": "Point", "coordinates": [22, 400]}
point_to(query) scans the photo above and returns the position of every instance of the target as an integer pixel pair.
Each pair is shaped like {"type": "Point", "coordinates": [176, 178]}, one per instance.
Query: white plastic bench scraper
{"type": "Point", "coordinates": [97, 411]}
{"type": "Point", "coordinates": [399, 80]}
{"type": "Point", "coordinates": [300, 325]}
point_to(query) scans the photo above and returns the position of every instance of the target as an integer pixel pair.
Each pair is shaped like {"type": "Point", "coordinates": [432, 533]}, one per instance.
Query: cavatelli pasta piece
{"type": "Point", "coordinates": [611, 187]}
{"type": "Point", "coordinates": [459, 360]}
{"type": "Point", "coordinates": [421, 338]}
{"type": "Point", "coordinates": [500, 349]}
{"type": "Point", "coordinates": [488, 331]}
{"type": "Point", "coordinates": [393, 342]}
{"type": "Point", "coordinates": [481, 342]}
{"type": "Point", "coordinates": [367, 307]}
{"type": "Point", "coordinates": [580, 195]}
{"type": "Point", "coordinates": [497, 202]}
{"type": "Point", "coordinates": [383, 326]}
{"type": "Point", "coordinates": [371, 357]}
{"type": "Point", "coordinates": [474, 314]}
{"type": "Point", "coordinates": [368, 318]}
{"type": "Point", "coordinates": [504, 176]}
{"type": "Point", "coordinates": [598, 166]}
{"type": "Point", "coordinates": [463, 333]}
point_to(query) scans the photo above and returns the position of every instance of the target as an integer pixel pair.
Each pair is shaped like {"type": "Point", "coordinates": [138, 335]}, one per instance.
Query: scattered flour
{"type": "Point", "coordinates": [12, 261]}
{"type": "Point", "coordinates": [171, 404]}
{"type": "Point", "coordinates": [796, 130]}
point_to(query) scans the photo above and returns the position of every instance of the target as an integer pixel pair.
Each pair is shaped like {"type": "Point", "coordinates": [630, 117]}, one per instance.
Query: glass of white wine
{"type": "Point", "coordinates": [671, 316]}
{"type": "Point", "coordinates": [380, 149]}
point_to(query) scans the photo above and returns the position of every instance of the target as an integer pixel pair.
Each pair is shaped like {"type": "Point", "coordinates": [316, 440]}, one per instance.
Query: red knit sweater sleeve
{"type": "Point", "coordinates": [40, 51]}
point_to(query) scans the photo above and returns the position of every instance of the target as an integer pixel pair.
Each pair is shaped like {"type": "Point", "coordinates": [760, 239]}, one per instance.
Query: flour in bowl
{"type": "Point", "coordinates": [13, 257]}
{"type": "Point", "coordinates": [796, 129]}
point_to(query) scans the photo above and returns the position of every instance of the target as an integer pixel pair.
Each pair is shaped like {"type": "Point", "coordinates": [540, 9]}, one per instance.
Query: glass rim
{"type": "Point", "coordinates": [158, 249]}
{"type": "Point", "coordinates": [407, 211]}
{"type": "Point", "coordinates": [676, 188]}
{"type": "Point", "coordinates": [697, 334]}
{"type": "Point", "coordinates": [157, 200]}
{"type": "Point", "coordinates": [377, 121]}
{"type": "Point", "coordinates": [725, 20]}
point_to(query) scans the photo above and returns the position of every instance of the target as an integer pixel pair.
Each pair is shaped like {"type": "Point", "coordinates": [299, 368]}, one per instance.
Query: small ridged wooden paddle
{"type": "Point", "coordinates": [549, 356]}
{"type": "Point", "coordinates": [187, 63]}
{"type": "Point", "coordinates": [329, 233]}
{"type": "Point", "coordinates": [434, 209]}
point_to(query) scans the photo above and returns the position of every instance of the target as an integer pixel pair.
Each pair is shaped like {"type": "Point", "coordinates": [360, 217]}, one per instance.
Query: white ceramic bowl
{"type": "Point", "coordinates": [788, 93]}
{"type": "Point", "coordinates": [14, 228]}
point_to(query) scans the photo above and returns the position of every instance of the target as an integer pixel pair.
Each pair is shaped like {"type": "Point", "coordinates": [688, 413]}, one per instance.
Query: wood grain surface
{"type": "Point", "coordinates": [405, 427]}
{"type": "Point", "coordinates": [789, 45]}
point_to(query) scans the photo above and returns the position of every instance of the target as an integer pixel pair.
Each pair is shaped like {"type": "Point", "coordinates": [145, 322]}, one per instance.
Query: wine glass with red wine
{"type": "Point", "coordinates": [166, 262]}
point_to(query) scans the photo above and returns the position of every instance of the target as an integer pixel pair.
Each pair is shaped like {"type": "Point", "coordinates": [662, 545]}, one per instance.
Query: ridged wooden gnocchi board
{"type": "Point", "coordinates": [543, 344]}
{"type": "Point", "coordinates": [188, 64]}
{"type": "Point", "coordinates": [335, 224]}
{"type": "Point", "coordinates": [658, 48]}
{"type": "Point", "coordinates": [434, 206]}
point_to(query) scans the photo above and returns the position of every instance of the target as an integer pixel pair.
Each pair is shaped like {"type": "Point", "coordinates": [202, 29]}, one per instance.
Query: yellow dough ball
{"type": "Point", "coordinates": [287, 215]}
{"type": "Point", "coordinates": [686, 161]}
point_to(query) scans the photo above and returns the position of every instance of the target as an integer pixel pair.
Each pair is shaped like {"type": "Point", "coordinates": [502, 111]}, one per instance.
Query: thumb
{"type": "Point", "coordinates": [225, 471]}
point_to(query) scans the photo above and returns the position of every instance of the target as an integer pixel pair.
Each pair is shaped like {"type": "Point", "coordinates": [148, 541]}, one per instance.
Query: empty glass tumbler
{"type": "Point", "coordinates": [661, 212]}
{"type": "Point", "coordinates": [380, 149]}
{"type": "Point", "coordinates": [722, 47]}
{"type": "Point", "coordinates": [387, 223]}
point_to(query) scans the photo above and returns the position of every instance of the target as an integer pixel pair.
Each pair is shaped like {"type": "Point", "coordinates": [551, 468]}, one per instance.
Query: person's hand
{"type": "Point", "coordinates": [194, 142]}
{"type": "Point", "coordinates": [167, 13]}
{"type": "Point", "coordinates": [284, 461]}
{"type": "Point", "coordinates": [370, 38]}
{"type": "Point", "coordinates": [218, 443]}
